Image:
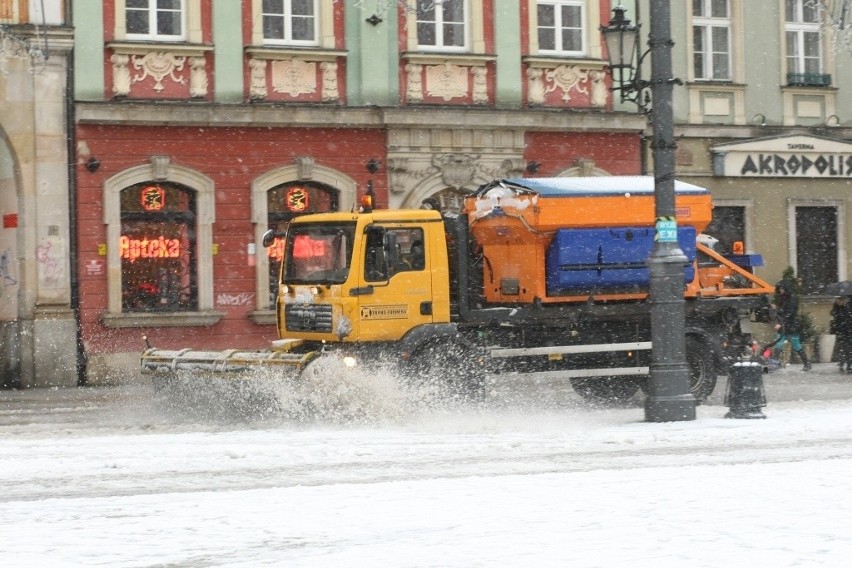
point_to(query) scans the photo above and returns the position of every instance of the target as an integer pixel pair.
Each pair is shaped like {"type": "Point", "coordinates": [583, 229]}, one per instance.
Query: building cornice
{"type": "Point", "coordinates": [306, 116]}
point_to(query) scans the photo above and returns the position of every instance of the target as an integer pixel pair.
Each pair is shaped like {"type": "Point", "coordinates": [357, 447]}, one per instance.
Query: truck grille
{"type": "Point", "coordinates": [308, 317]}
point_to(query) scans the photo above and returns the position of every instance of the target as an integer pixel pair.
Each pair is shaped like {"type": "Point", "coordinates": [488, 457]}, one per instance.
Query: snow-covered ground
{"type": "Point", "coordinates": [104, 477]}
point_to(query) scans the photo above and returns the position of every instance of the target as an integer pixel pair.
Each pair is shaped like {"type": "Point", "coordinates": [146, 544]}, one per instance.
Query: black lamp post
{"type": "Point", "coordinates": [669, 397]}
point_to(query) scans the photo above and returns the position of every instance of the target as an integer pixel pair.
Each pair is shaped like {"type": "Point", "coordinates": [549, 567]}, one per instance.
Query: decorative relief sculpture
{"type": "Point", "coordinates": [414, 91]}
{"type": "Point", "coordinates": [599, 89]}
{"type": "Point", "coordinates": [535, 86]}
{"type": "Point", "coordinates": [446, 81]}
{"type": "Point", "coordinates": [305, 165]}
{"type": "Point", "coordinates": [480, 85]}
{"type": "Point", "coordinates": [159, 65]}
{"type": "Point", "coordinates": [120, 74]}
{"type": "Point", "coordinates": [294, 77]}
{"type": "Point", "coordinates": [198, 77]}
{"type": "Point", "coordinates": [257, 85]}
{"type": "Point", "coordinates": [567, 78]}
{"type": "Point", "coordinates": [457, 170]}
{"type": "Point", "coordinates": [330, 91]}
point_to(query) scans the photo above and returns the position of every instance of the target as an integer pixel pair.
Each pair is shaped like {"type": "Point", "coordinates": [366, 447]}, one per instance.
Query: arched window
{"type": "Point", "coordinates": [284, 202]}
{"type": "Point", "coordinates": [157, 248]}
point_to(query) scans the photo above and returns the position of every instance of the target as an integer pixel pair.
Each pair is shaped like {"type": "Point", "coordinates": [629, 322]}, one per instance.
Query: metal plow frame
{"type": "Point", "coordinates": [155, 360]}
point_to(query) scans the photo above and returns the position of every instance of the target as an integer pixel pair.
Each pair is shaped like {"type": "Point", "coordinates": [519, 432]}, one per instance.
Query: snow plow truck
{"type": "Point", "coordinates": [542, 276]}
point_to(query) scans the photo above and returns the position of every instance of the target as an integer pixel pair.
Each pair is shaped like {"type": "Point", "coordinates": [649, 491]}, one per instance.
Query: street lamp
{"type": "Point", "coordinates": [622, 47]}
{"type": "Point", "coordinates": [669, 397]}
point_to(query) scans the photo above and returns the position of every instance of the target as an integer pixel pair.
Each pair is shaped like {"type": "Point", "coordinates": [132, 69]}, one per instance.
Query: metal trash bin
{"type": "Point", "coordinates": [745, 395]}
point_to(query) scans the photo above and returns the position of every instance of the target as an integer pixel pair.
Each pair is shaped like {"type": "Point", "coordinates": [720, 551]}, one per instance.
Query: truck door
{"type": "Point", "coordinates": [396, 283]}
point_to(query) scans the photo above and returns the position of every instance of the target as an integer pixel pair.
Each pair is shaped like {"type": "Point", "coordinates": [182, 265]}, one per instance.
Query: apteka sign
{"type": "Point", "coordinates": [796, 156]}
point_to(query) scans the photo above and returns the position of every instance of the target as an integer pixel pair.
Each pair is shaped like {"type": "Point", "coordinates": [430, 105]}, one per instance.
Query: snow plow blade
{"type": "Point", "coordinates": [159, 361]}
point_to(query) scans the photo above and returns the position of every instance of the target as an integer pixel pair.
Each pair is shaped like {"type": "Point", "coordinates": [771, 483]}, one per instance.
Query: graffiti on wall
{"type": "Point", "coordinates": [243, 299]}
{"type": "Point", "coordinates": [8, 273]}
{"type": "Point", "coordinates": [50, 256]}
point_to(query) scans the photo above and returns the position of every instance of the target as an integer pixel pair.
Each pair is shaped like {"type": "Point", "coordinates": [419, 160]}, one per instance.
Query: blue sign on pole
{"type": "Point", "coordinates": [666, 230]}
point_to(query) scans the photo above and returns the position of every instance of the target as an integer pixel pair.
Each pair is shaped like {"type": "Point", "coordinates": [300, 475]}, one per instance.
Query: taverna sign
{"type": "Point", "coordinates": [795, 156]}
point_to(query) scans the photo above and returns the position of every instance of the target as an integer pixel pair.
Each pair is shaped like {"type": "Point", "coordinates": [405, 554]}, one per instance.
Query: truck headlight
{"type": "Point", "coordinates": [350, 361]}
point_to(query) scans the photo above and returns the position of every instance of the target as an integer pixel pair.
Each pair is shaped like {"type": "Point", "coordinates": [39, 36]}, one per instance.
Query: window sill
{"type": "Point", "coordinates": [144, 48]}
{"type": "Point", "coordinates": [290, 52]}
{"type": "Point", "coordinates": [546, 62]}
{"type": "Point", "coordinates": [171, 319]}
{"type": "Point", "coordinates": [264, 317]}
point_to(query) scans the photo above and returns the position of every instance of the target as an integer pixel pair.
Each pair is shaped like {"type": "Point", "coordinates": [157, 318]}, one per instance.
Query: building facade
{"type": "Point", "coordinates": [199, 124]}
{"type": "Point", "coordinates": [764, 120]}
{"type": "Point", "coordinates": [38, 339]}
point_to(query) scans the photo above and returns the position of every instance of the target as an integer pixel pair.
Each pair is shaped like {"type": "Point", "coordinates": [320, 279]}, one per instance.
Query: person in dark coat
{"type": "Point", "coordinates": [841, 327]}
{"type": "Point", "coordinates": [788, 327]}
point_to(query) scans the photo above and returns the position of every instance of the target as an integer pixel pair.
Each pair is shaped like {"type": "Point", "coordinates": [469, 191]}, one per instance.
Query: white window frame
{"type": "Point", "coordinates": [584, 30]}
{"type": "Point", "coordinates": [152, 18]}
{"type": "Point", "coordinates": [799, 28]}
{"type": "Point", "coordinates": [705, 25]}
{"type": "Point", "coordinates": [439, 19]}
{"type": "Point", "coordinates": [191, 24]}
{"type": "Point", "coordinates": [288, 26]}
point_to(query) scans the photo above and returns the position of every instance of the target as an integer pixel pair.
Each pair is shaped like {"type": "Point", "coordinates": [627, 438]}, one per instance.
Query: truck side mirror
{"type": "Point", "coordinates": [268, 238]}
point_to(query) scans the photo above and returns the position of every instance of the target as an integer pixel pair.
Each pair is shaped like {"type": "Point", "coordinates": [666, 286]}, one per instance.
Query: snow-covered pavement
{"type": "Point", "coordinates": [101, 477]}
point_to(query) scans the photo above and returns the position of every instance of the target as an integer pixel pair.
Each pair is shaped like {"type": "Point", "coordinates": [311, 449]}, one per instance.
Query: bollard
{"type": "Point", "coordinates": [744, 395]}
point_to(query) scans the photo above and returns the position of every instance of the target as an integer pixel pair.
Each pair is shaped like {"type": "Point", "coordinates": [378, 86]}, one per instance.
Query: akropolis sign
{"type": "Point", "coordinates": [796, 156]}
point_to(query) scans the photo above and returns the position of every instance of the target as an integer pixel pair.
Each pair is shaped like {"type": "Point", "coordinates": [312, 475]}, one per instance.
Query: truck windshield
{"type": "Point", "coordinates": [318, 253]}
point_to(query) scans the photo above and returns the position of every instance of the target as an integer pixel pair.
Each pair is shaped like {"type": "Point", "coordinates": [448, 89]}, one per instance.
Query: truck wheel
{"type": "Point", "coordinates": [702, 369]}
{"type": "Point", "coordinates": [606, 391]}
{"type": "Point", "coordinates": [449, 366]}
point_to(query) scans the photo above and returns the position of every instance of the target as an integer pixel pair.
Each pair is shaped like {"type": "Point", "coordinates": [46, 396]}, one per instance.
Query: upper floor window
{"type": "Point", "coordinates": [560, 27]}
{"type": "Point", "coordinates": [292, 22]}
{"type": "Point", "coordinates": [155, 19]}
{"type": "Point", "coordinates": [802, 29]}
{"type": "Point", "coordinates": [711, 39]}
{"type": "Point", "coordinates": [442, 25]}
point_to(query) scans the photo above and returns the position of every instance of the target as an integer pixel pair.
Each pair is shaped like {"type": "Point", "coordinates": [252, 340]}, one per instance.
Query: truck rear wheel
{"type": "Point", "coordinates": [606, 391]}
{"type": "Point", "coordinates": [702, 370]}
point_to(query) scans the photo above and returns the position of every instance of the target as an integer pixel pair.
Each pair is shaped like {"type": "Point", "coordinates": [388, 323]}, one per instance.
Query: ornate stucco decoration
{"type": "Point", "coordinates": [535, 86]}
{"type": "Point", "coordinates": [414, 90]}
{"type": "Point", "coordinates": [567, 78]}
{"type": "Point", "coordinates": [480, 85]}
{"type": "Point", "coordinates": [294, 77]}
{"type": "Point", "coordinates": [402, 170]}
{"type": "Point", "coordinates": [120, 74]}
{"type": "Point", "coordinates": [160, 167]}
{"type": "Point", "coordinates": [330, 91]}
{"type": "Point", "coordinates": [446, 81]}
{"type": "Point", "coordinates": [457, 170]}
{"type": "Point", "coordinates": [293, 72]}
{"type": "Point", "coordinates": [159, 65]}
{"type": "Point", "coordinates": [132, 63]}
{"type": "Point", "coordinates": [257, 80]}
{"type": "Point", "coordinates": [305, 165]}
{"type": "Point", "coordinates": [198, 77]}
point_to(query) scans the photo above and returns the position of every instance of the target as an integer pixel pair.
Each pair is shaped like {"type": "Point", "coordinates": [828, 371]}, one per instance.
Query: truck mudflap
{"type": "Point", "coordinates": [158, 361]}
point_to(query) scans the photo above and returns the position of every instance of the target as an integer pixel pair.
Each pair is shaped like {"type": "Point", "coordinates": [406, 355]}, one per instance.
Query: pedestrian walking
{"type": "Point", "coordinates": [841, 327]}
{"type": "Point", "coordinates": [787, 327]}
